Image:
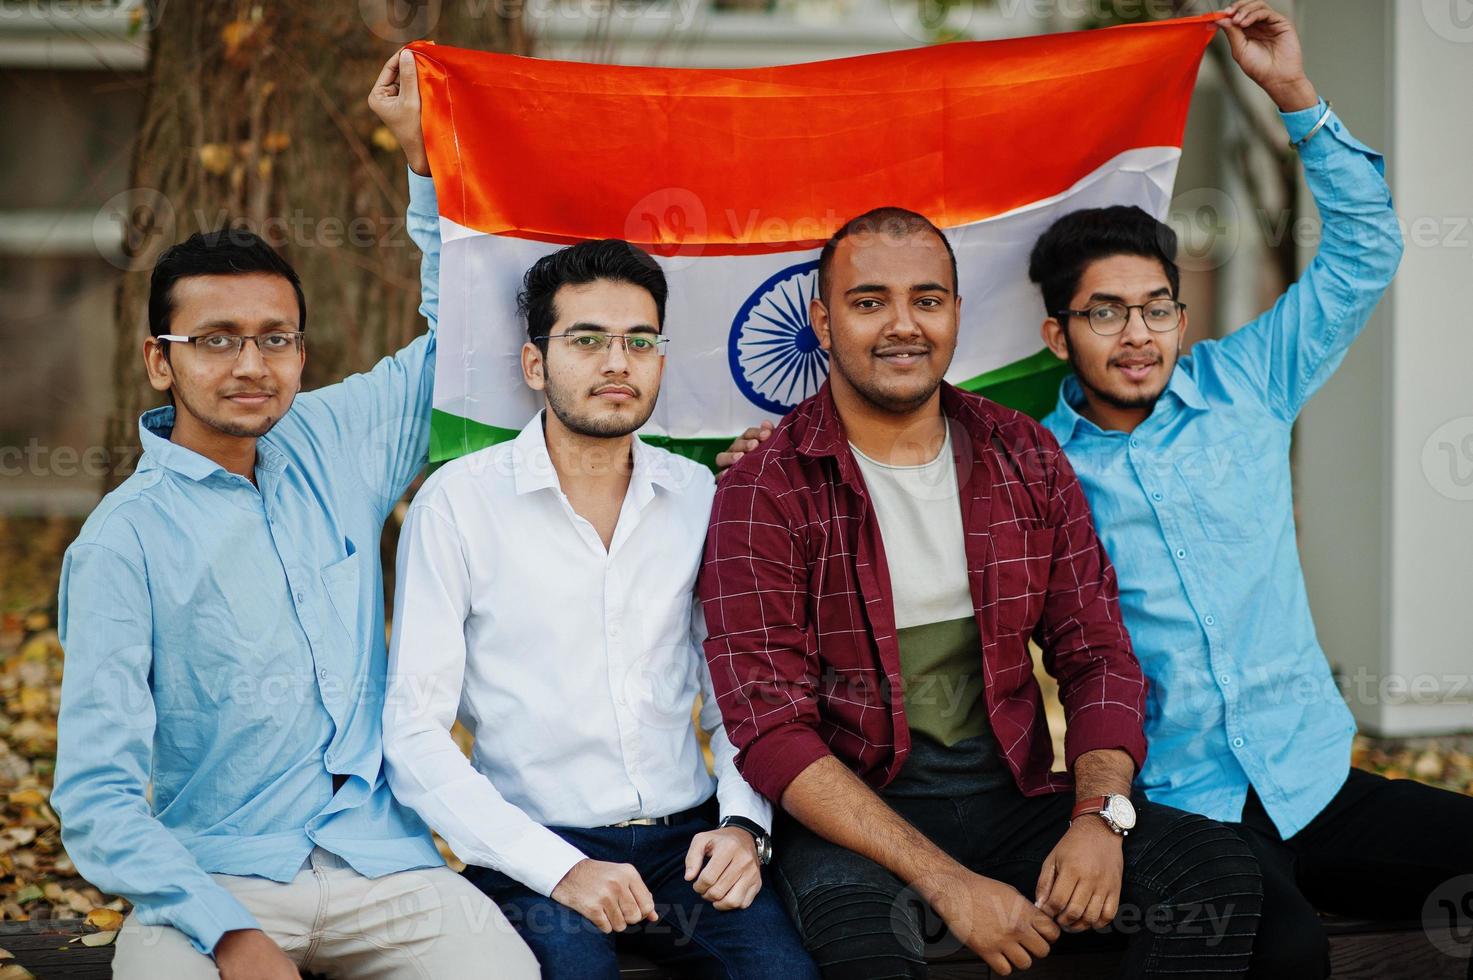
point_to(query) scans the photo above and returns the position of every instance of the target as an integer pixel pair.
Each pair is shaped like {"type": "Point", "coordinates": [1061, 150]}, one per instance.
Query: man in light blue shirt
{"type": "Point", "coordinates": [1186, 466]}
{"type": "Point", "coordinates": [219, 760]}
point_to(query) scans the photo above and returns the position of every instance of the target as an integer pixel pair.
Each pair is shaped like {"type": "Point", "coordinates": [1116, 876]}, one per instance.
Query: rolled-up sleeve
{"type": "Point", "coordinates": [1287, 354]}
{"type": "Point", "coordinates": [378, 421]}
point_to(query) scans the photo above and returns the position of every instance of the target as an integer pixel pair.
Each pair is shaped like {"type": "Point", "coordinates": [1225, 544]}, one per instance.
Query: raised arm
{"type": "Point", "coordinates": [379, 421]}
{"type": "Point", "coordinates": [1284, 356]}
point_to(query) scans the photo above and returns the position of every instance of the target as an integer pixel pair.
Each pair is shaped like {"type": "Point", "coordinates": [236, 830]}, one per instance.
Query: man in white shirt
{"type": "Point", "coordinates": [546, 599]}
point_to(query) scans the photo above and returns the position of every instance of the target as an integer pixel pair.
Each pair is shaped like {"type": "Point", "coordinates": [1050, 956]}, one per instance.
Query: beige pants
{"type": "Point", "coordinates": [429, 924]}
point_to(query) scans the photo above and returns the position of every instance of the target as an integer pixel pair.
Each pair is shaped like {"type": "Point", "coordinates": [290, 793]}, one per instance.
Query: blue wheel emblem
{"type": "Point", "coordinates": [775, 357]}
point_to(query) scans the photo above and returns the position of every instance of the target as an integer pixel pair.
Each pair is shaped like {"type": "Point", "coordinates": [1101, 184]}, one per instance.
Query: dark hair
{"type": "Point", "coordinates": [1071, 243]}
{"type": "Point", "coordinates": [892, 221]}
{"type": "Point", "coordinates": [227, 252]}
{"type": "Point", "coordinates": [610, 258]}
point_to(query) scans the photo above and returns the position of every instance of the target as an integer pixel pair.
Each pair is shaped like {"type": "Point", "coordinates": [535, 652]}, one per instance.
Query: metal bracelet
{"type": "Point", "coordinates": [1324, 118]}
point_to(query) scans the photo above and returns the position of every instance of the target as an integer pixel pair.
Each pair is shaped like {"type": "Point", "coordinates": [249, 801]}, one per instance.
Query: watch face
{"type": "Point", "coordinates": [1121, 811]}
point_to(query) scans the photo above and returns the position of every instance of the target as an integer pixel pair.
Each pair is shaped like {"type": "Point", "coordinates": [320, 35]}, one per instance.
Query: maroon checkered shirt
{"type": "Point", "coordinates": [797, 597]}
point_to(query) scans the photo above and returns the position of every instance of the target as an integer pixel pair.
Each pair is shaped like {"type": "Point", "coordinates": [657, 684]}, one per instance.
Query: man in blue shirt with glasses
{"type": "Point", "coordinates": [219, 761]}
{"type": "Point", "coordinates": [1185, 462]}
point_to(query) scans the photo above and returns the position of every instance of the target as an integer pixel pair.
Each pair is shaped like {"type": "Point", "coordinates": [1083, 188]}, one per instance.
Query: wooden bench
{"type": "Point", "coordinates": [1360, 951]}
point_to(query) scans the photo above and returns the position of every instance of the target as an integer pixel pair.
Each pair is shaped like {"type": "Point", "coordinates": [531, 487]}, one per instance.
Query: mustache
{"type": "Point", "coordinates": [270, 393]}
{"type": "Point", "coordinates": [628, 389]}
{"type": "Point", "coordinates": [1143, 357]}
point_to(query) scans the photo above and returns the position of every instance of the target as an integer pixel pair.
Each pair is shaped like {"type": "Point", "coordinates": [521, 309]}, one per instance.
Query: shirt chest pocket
{"type": "Point", "coordinates": [340, 580]}
{"type": "Point", "coordinates": [1021, 559]}
{"type": "Point", "coordinates": [1217, 478]}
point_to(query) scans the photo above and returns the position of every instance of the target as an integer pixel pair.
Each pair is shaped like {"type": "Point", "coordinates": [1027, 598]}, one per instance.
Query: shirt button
{"type": "Point", "coordinates": [1210, 620]}
{"type": "Point", "coordinates": [1226, 680]}
{"type": "Point", "coordinates": [301, 598]}
{"type": "Point", "coordinates": [322, 673]}
{"type": "Point", "coordinates": [1238, 742]}
{"type": "Point", "coordinates": [1134, 444]}
{"type": "Point", "coordinates": [1156, 495]}
{"type": "Point", "coordinates": [1180, 553]}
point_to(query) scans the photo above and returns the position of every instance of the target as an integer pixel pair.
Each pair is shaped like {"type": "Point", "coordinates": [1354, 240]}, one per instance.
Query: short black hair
{"type": "Point", "coordinates": [226, 252]}
{"type": "Point", "coordinates": [891, 221]}
{"type": "Point", "coordinates": [609, 258]}
{"type": "Point", "coordinates": [1070, 244]}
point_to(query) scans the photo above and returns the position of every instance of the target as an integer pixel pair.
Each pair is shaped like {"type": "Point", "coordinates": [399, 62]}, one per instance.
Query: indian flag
{"type": "Point", "coordinates": [733, 179]}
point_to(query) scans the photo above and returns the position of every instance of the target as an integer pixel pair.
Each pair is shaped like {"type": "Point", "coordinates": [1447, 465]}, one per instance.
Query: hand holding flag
{"type": "Point", "coordinates": [1265, 45]}
{"type": "Point", "coordinates": [395, 100]}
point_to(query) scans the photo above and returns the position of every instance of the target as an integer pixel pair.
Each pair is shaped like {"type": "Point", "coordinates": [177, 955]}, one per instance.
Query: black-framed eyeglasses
{"type": "Point", "coordinates": [227, 346]}
{"type": "Point", "coordinates": [1109, 319]}
{"type": "Point", "coordinates": [599, 342]}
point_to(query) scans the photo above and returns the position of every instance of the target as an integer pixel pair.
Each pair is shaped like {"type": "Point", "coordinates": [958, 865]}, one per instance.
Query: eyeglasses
{"type": "Point", "coordinates": [598, 342]}
{"type": "Point", "coordinates": [227, 346]}
{"type": "Point", "coordinates": [1109, 319]}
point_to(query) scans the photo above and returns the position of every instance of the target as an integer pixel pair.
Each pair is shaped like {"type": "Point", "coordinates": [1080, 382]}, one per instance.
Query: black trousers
{"type": "Point", "coordinates": [1378, 851]}
{"type": "Point", "coordinates": [1189, 899]}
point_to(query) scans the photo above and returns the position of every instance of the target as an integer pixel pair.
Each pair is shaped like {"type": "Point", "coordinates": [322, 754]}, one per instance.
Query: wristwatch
{"type": "Point", "coordinates": [763, 839]}
{"type": "Point", "coordinates": [1116, 811]}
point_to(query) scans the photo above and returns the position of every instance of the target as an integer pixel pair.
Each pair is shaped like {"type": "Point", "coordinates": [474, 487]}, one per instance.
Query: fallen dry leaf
{"type": "Point", "coordinates": [104, 919]}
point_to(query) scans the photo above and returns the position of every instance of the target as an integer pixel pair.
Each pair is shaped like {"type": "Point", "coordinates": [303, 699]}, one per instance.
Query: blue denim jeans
{"type": "Point", "coordinates": [691, 937]}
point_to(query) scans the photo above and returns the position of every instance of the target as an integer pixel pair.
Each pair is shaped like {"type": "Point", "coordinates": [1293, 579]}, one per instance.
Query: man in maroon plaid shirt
{"type": "Point", "coordinates": [873, 574]}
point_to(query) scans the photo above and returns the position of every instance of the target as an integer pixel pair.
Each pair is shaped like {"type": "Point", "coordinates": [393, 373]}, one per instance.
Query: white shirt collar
{"type": "Point", "coordinates": [533, 470]}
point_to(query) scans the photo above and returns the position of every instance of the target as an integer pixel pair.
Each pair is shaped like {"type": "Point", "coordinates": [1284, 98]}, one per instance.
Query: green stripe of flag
{"type": "Point", "coordinates": [1030, 385]}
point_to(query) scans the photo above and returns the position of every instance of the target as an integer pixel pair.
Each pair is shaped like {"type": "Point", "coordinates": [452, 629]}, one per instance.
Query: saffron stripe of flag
{"type": "Point", "coordinates": [733, 179]}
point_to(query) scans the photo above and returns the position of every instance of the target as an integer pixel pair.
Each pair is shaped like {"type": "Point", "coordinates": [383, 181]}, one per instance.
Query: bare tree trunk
{"type": "Point", "coordinates": [255, 116]}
